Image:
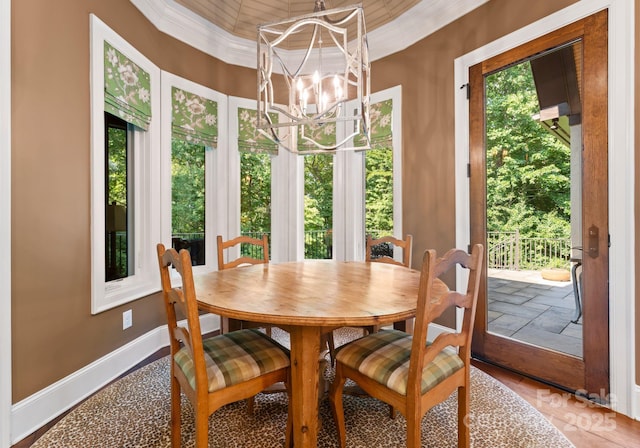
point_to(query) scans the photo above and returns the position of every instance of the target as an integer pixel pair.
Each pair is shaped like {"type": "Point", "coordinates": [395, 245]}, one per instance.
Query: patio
{"type": "Point", "coordinates": [526, 307]}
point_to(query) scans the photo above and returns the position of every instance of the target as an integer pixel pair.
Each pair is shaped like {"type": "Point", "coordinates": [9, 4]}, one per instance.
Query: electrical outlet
{"type": "Point", "coordinates": [127, 319]}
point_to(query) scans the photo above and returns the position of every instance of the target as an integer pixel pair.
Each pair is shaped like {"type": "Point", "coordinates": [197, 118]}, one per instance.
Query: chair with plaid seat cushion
{"type": "Point", "coordinates": [406, 371]}
{"type": "Point", "coordinates": [214, 371]}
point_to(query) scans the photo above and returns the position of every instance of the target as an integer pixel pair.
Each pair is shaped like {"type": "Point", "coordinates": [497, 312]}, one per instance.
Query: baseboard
{"type": "Point", "coordinates": [40, 408]}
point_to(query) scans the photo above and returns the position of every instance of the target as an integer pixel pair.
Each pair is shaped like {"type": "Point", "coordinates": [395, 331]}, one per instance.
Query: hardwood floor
{"type": "Point", "coordinates": [585, 424]}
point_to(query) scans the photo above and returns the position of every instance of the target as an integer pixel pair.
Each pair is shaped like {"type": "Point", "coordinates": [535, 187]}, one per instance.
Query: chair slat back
{"type": "Point", "coordinates": [430, 307]}
{"type": "Point", "coordinates": [262, 243]}
{"type": "Point", "coordinates": [406, 245]}
{"type": "Point", "coordinates": [184, 299]}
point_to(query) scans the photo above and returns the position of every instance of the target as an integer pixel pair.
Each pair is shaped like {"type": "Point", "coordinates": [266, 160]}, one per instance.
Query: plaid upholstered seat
{"type": "Point", "coordinates": [235, 357]}
{"type": "Point", "coordinates": [384, 357]}
{"type": "Point", "coordinates": [411, 376]}
{"type": "Point", "coordinates": [216, 371]}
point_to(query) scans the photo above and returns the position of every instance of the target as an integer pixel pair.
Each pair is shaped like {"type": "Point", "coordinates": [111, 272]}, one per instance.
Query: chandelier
{"type": "Point", "coordinates": [314, 81]}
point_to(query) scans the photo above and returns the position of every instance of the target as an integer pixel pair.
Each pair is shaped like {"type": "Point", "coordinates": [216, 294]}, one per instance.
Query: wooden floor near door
{"type": "Point", "coordinates": [583, 423]}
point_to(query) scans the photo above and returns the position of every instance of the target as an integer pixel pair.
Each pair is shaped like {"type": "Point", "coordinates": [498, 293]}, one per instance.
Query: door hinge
{"type": "Point", "coordinates": [468, 170]}
{"type": "Point", "coordinates": [468, 87]}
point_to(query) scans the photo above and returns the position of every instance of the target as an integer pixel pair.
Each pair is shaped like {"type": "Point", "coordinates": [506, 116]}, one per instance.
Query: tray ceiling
{"type": "Point", "coordinates": [227, 29]}
{"type": "Point", "coordinates": [241, 17]}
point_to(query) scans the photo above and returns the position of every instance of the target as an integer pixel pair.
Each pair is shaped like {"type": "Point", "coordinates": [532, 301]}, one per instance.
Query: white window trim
{"type": "Point", "coordinates": [626, 394]}
{"type": "Point", "coordinates": [216, 180]}
{"type": "Point", "coordinates": [145, 281]}
{"type": "Point", "coordinates": [5, 222]}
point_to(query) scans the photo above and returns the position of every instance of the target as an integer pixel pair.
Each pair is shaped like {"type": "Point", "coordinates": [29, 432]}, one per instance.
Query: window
{"type": "Point", "coordinates": [368, 184]}
{"type": "Point", "coordinates": [251, 176]}
{"type": "Point", "coordinates": [379, 172]}
{"type": "Point", "coordinates": [194, 164]}
{"type": "Point", "coordinates": [318, 206]}
{"type": "Point", "coordinates": [125, 170]}
{"type": "Point", "coordinates": [255, 194]}
{"type": "Point", "coordinates": [119, 257]}
{"type": "Point", "coordinates": [188, 201]}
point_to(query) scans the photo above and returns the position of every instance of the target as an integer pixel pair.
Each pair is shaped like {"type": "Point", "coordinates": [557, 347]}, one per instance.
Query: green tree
{"type": "Point", "coordinates": [117, 166]}
{"type": "Point", "coordinates": [379, 190]}
{"type": "Point", "coordinates": [255, 192]}
{"type": "Point", "coordinates": [318, 188]}
{"type": "Point", "coordinates": [528, 169]}
{"type": "Point", "coordinates": [187, 187]}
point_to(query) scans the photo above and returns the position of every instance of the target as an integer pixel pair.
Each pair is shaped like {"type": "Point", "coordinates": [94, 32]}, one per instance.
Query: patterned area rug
{"type": "Point", "coordinates": [134, 412]}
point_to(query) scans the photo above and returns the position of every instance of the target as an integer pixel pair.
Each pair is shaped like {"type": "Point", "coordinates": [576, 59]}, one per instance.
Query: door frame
{"type": "Point", "coordinates": [5, 222]}
{"type": "Point", "coordinates": [625, 394]}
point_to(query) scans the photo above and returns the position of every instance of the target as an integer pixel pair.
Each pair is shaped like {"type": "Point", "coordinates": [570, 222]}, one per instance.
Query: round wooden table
{"type": "Point", "coordinates": [309, 299]}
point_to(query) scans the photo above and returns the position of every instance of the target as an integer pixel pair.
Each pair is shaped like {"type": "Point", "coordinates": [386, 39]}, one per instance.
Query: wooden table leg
{"type": "Point", "coordinates": [404, 325]}
{"type": "Point", "coordinates": [305, 349]}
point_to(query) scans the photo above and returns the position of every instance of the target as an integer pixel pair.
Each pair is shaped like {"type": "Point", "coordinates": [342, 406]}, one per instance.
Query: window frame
{"type": "Point", "coordinates": [216, 174]}
{"type": "Point", "coordinates": [146, 182]}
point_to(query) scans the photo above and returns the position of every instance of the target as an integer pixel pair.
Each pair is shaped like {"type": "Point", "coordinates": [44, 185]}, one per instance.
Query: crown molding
{"type": "Point", "coordinates": [415, 24]}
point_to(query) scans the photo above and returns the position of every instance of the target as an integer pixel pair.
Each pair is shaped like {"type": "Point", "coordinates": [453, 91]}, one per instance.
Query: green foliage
{"type": "Point", "coordinates": [255, 192]}
{"type": "Point", "coordinates": [117, 168]}
{"type": "Point", "coordinates": [318, 191]}
{"type": "Point", "coordinates": [379, 190]}
{"type": "Point", "coordinates": [187, 187]}
{"type": "Point", "coordinates": [528, 169]}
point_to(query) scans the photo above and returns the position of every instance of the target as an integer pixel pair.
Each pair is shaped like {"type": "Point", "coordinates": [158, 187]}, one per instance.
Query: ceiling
{"type": "Point", "coordinates": [241, 17]}
{"type": "Point", "coordinates": [227, 29]}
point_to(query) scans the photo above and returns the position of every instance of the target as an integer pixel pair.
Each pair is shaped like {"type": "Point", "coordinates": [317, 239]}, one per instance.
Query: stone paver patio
{"type": "Point", "coordinates": [526, 307]}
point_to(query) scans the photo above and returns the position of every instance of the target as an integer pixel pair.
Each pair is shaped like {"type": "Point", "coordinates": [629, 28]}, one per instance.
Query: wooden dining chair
{"type": "Point", "coordinates": [370, 256]}
{"type": "Point", "coordinates": [407, 251]}
{"type": "Point", "coordinates": [406, 371]}
{"type": "Point", "coordinates": [406, 245]}
{"type": "Point", "coordinates": [218, 370]}
{"type": "Point", "coordinates": [258, 246]}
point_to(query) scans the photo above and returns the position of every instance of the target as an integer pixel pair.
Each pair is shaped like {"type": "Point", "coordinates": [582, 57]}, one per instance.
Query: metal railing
{"type": "Point", "coordinates": [508, 250]}
{"type": "Point", "coordinates": [505, 250]}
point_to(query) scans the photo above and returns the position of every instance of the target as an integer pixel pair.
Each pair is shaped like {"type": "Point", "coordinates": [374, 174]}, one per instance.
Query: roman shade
{"type": "Point", "coordinates": [381, 136]}
{"type": "Point", "coordinates": [249, 139]}
{"type": "Point", "coordinates": [127, 88]}
{"type": "Point", "coordinates": [194, 118]}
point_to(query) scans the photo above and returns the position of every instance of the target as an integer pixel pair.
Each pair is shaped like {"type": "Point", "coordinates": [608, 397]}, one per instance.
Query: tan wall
{"type": "Point", "coordinates": [54, 333]}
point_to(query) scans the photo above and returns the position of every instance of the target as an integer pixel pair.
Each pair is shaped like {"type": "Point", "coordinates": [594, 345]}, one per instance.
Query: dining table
{"type": "Point", "coordinates": [309, 299]}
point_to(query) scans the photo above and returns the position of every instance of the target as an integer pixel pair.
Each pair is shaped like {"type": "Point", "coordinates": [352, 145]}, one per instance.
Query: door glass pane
{"type": "Point", "coordinates": [533, 175]}
{"type": "Point", "coordinates": [118, 191]}
{"type": "Point", "coordinates": [255, 198]}
{"type": "Point", "coordinates": [318, 206]}
{"type": "Point", "coordinates": [188, 199]}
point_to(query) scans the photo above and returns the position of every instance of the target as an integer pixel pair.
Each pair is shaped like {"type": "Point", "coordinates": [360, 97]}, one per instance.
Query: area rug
{"type": "Point", "coordinates": [135, 412]}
